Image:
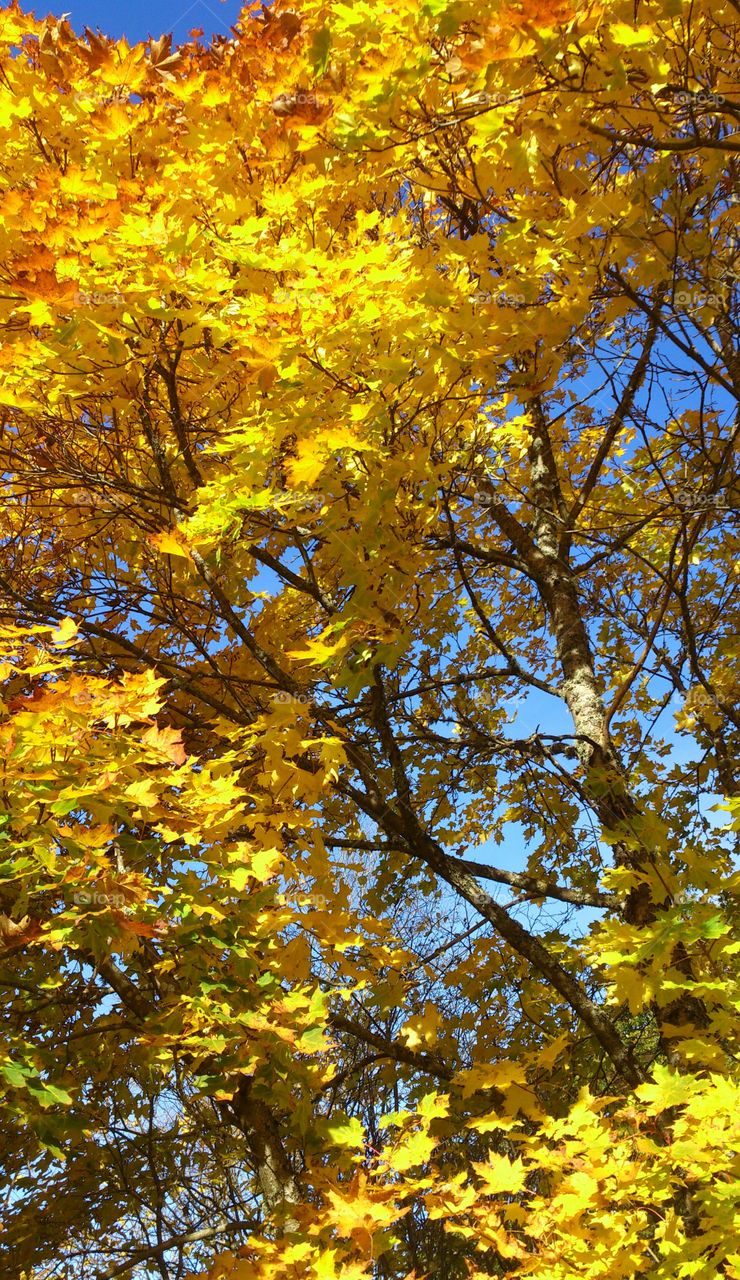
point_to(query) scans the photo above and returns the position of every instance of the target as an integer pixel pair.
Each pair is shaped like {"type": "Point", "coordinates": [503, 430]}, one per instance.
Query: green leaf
{"type": "Point", "coordinates": [49, 1094]}
{"type": "Point", "coordinates": [320, 46]}
{"type": "Point", "coordinates": [346, 1131]}
{"type": "Point", "coordinates": [15, 1075]}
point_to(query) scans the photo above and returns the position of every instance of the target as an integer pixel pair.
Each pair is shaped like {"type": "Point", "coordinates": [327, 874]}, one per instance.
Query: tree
{"type": "Point", "coordinates": [370, 410]}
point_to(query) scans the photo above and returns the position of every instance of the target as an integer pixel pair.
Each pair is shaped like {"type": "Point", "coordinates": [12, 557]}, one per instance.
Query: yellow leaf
{"type": "Point", "coordinates": [421, 1030]}
{"type": "Point", "coordinates": [65, 634]}
{"type": "Point", "coordinates": [415, 1149]}
{"type": "Point", "coordinates": [313, 454]}
{"type": "Point", "coordinates": [501, 1174]}
{"type": "Point", "coordinates": [39, 312]}
{"type": "Point", "coordinates": [628, 36]}
{"type": "Point", "coordinates": [494, 1075]}
{"type": "Point", "coordinates": [170, 544]}
{"type": "Point", "coordinates": [307, 467]}
{"type": "Point", "coordinates": [265, 863]}
{"type": "Point", "coordinates": [319, 649]}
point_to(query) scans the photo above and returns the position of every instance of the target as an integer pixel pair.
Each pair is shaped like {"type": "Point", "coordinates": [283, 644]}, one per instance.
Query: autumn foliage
{"type": "Point", "coordinates": [369, 675]}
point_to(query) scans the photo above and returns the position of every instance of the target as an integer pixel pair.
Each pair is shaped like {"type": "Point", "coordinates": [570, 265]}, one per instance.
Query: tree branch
{"type": "Point", "coordinates": [174, 1242]}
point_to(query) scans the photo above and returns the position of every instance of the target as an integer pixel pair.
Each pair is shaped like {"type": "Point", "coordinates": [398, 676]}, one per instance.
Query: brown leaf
{"type": "Point", "coordinates": [16, 933]}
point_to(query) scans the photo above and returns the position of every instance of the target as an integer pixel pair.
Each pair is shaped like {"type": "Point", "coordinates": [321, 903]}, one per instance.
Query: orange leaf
{"type": "Point", "coordinates": [169, 542]}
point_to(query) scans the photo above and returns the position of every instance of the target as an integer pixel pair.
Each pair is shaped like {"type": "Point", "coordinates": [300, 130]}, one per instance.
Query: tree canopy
{"type": "Point", "coordinates": [369, 604]}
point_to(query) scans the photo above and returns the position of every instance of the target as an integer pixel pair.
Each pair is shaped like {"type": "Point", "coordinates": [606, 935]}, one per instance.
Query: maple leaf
{"type": "Point", "coordinates": [167, 742]}
{"type": "Point", "coordinates": [361, 1209]}
{"type": "Point", "coordinates": [170, 543]}
{"type": "Point", "coordinates": [65, 634]}
{"type": "Point", "coordinates": [501, 1175]}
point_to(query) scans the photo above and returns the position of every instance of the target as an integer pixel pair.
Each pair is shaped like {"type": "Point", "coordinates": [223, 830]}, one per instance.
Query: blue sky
{"type": "Point", "coordinates": [137, 19]}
